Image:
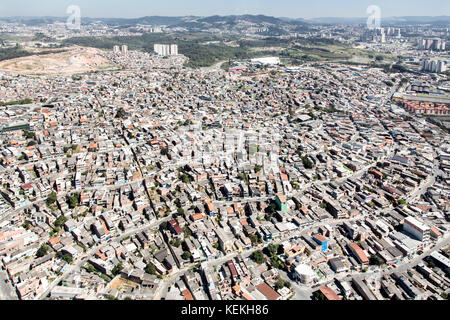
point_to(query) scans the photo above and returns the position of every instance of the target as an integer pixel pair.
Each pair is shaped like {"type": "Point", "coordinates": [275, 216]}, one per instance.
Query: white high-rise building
{"type": "Point", "coordinates": [436, 44]}
{"type": "Point", "coordinates": [437, 66]}
{"type": "Point", "coordinates": [174, 50]}
{"type": "Point", "coordinates": [166, 49]}
{"type": "Point", "coordinates": [442, 67]}
{"type": "Point", "coordinates": [124, 49]}
{"type": "Point", "coordinates": [116, 49]}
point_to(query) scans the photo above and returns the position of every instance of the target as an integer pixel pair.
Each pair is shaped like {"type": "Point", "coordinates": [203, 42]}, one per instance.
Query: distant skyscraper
{"type": "Point", "coordinates": [436, 44]}
{"type": "Point", "coordinates": [442, 67]}
{"type": "Point", "coordinates": [434, 66]}
{"type": "Point", "coordinates": [166, 49]}
{"type": "Point", "coordinates": [174, 49]}
{"type": "Point", "coordinates": [116, 49]}
{"type": "Point", "coordinates": [124, 49]}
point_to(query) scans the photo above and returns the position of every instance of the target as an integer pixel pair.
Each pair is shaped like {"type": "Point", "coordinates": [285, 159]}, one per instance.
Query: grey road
{"type": "Point", "coordinates": [7, 292]}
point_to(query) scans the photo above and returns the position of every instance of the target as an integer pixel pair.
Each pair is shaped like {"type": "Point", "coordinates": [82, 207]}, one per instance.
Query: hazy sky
{"type": "Point", "coordinates": [278, 8]}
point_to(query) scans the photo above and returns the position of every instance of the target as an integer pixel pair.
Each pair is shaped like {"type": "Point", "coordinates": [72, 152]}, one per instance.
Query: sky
{"type": "Point", "coordinates": [277, 8]}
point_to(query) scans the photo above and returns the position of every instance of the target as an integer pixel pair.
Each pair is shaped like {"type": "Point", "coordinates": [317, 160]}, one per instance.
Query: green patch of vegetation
{"type": "Point", "coordinates": [60, 221]}
{"type": "Point", "coordinates": [281, 283]}
{"type": "Point", "coordinates": [258, 257]}
{"type": "Point", "coordinates": [121, 114]}
{"type": "Point", "coordinates": [375, 260]}
{"type": "Point", "coordinates": [18, 52]}
{"type": "Point", "coordinates": [307, 163]}
{"type": "Point", "coordinates": [186, 255]}
{"type": "Point", "coordinates": [255, 239]}
{"type": "Point", "coordinates": [26, 225]}
{"type": "Point", "coordinates": [176, 243]}
{"type": "Point", "coordinates": [66, 257]}
{"type": "Point", "coordinates": [150, 268]}
{"type": "Point", "coordinates": [185, 178]}
{"type": "Point", "coordinates": [17, 102]}
{"type": "Point", "coordinates": [51, 199]}
{"type": "Point", "coordinates": [117, 269]}
{"type": "Point", "coordinates": [258, 168]}
{"type": "Point", "coordinates": [187, 232]}
{"type": "Point", "coordinates": [73, 200]}
{"type": "Point", "coordinates": [42, 251]}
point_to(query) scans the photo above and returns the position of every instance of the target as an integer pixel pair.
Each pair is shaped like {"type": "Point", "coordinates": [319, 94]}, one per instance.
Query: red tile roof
{"type": "Point", "coordinates": [329, 293]}
{"type": "Point", "coordinates": [267, 291]}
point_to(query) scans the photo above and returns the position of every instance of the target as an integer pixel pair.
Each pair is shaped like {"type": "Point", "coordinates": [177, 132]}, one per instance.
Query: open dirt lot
{"type": "Point", "coordinates": [74, 60]}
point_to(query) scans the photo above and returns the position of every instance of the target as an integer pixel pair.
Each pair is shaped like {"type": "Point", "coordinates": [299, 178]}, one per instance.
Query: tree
{"type": "Point", "coordinates": [73, 200]}
{"type": "Point", "coordinates": [165, 151]}
{"type": "Point", "coordinates": [51, 199]}
{"type": "Point", "coordinates": [307, 163]}
{"type": "Point", "coordinates": [150, 268]}
{"type": "Point", "coordinates": [272, 207]}
{"type": "Point", "coordinates": [375, 260]}
{"type": "Point", "coordinates": [90, 268]}
{"type": "Point", "coordinates": [42, 251]}
{"type": "Point", "coordinates": [29, 135]}
{"type": "Point", "coordinates": [66, 257]}
{"type": "Point", "coordinates": [120, 114]}
{"type": "Point", "coordinates": [59, 222]}
{"type": "Point", "coordinates": [117, 269]}
{"type": "Point", "coordinates": [273, 249]}
{"type": "Point", "coordinates": [180, 211]}
{"type": "Point", "coordinates": [279, 284]}
{"type": "Point", "coordinates": [254, 239]}
{"type": "Point", "coordinates": [276, 263]}
{"type": "Point", "coordinates": [26, 225]}
{"type": "Point", "coordinates": [187, 232]}
{"type": "Point", "coordinates": [280, 249]}
{"type": "Point", "coordinates": [186, 255]}
{"type": "Point", "coordinates": [320, 296]}
{"type": "Point", "coordinates": [258, 257]}
{"type": "Point", "coordinates": [176, 243]}
{"type": "Point", "coordinates": [445, 296]}
{"type": "Point", "coordinates": [185, 178]}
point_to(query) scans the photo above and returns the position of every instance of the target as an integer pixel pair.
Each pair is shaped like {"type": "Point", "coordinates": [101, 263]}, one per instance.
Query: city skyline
{"type": "Point", "coordinates": [283, 8]}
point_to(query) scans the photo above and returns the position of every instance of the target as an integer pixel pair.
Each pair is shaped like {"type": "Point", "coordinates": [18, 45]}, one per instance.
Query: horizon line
{"type": "Point", "coordinates": [229, 15]}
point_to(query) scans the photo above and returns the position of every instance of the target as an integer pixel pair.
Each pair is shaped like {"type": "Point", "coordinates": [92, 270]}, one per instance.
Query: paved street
{"type": "Point", "coordinates": [7, 292]}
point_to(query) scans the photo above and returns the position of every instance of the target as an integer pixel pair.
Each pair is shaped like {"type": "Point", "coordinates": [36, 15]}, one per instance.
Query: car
{"type": "Point", "coordinates": [394, 265]}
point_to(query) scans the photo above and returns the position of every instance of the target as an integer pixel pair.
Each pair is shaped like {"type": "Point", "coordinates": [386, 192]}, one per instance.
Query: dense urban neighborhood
{"type": "Point", "coordinates": [271, 176]}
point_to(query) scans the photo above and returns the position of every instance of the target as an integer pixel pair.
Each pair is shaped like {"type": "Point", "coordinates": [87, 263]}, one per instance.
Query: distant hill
{"type": "Point", "coordinates": [160, 20]}
{"type": "Point", "coordinates": [241, 23]}
{"type": "Point", "coordinates": [441, 20]}
{"type": "Point", "coordinates": [232, 21]}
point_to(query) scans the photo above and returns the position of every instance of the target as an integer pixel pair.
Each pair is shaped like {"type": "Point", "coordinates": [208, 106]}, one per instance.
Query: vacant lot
{"type": "Point", "coordinates": [74, 60]}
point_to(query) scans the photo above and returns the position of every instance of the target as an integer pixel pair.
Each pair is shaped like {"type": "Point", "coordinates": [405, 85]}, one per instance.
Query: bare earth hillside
{"type": "Point", "coordinates": [74, 60]}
